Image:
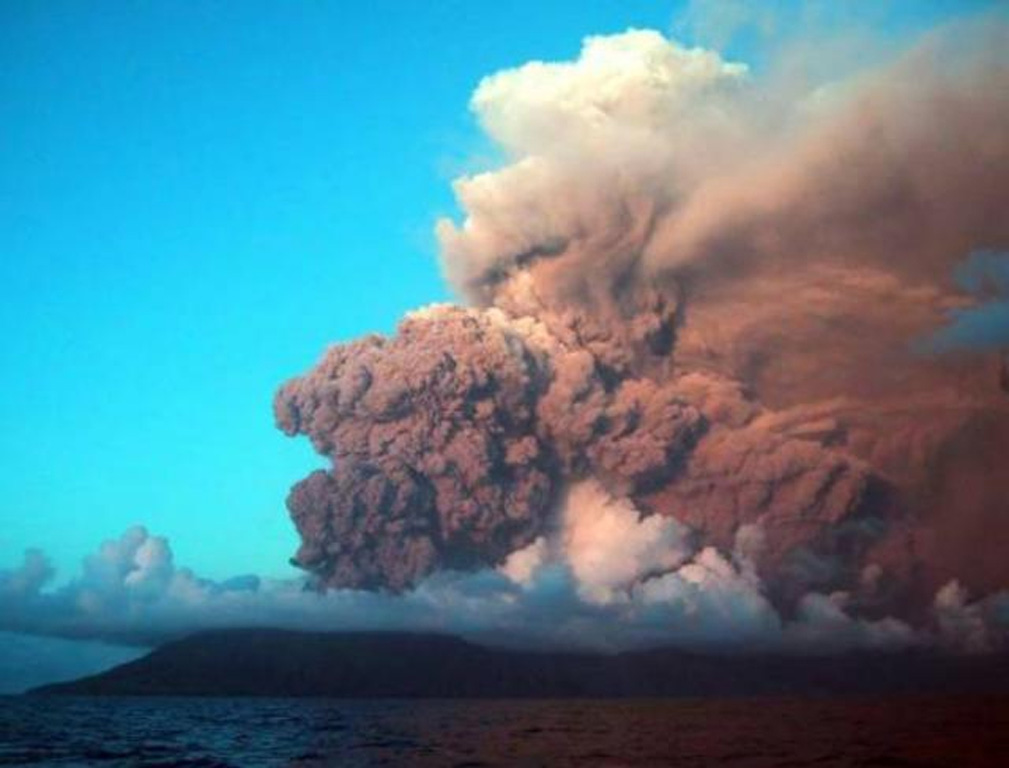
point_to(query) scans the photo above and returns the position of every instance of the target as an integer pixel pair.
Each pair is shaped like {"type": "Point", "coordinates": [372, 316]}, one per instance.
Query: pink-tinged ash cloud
{"type": "Point", "coordinates": [706, 352]}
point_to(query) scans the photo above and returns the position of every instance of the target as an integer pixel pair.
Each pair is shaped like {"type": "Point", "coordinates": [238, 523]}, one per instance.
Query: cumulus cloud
{"type": "Point", "coordinates": [129, 589]}
{"type": "Point", "coordinates": [703, 600]}
{"type": "Point", "coordinates": [610, 548]}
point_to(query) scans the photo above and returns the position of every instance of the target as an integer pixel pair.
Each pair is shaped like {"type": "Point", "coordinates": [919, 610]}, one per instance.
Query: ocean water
{"type": "Point", "coordinates": [895, 731]}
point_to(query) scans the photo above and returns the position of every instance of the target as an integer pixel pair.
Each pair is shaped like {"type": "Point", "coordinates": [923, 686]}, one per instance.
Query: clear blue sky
{"type": "Point", "coordinates": [195, 198]}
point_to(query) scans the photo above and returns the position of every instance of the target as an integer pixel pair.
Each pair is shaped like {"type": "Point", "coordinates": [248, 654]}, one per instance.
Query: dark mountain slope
{"type": "Point", "coordinates": [260, 662]}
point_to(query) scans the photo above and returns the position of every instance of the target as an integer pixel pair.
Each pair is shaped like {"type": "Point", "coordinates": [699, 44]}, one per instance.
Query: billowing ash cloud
{"type": "Point", "coordinates": [433, 436]}
{"type": "Point", "coordinates": [690, 371]}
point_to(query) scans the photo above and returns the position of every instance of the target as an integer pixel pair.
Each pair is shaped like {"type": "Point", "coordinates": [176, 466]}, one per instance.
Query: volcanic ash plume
{"type": "Point", "coordinates": [717, 302]}
{"type": "Point", "coordinates": [437, 457]}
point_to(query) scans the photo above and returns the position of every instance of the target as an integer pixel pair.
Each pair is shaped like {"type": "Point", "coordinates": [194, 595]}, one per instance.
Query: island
{"type": "Point", "coordinates": [273, 662]}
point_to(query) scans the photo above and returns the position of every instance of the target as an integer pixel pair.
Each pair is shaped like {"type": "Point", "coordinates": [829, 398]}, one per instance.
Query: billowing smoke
{"type": "Point", "coordinates": [706, 354]}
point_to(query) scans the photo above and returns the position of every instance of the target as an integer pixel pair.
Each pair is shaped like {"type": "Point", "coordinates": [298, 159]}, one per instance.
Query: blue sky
{"type": "Point", "coordinates": [195, 198]}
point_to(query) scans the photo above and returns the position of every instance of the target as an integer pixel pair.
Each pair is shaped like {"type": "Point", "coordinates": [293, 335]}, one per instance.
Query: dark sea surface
{"type": "Point", "coordinates": [892, 731]}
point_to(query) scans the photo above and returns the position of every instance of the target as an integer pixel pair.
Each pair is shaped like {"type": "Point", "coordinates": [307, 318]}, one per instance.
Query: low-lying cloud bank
{"type": "Point", "coordinates": [569, 590]}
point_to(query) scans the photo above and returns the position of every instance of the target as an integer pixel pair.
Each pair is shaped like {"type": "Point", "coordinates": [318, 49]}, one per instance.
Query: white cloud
{"type": "Point", "coordinates": [610, 547]}
{"type": "Point", "coordinates": [560, 592]}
